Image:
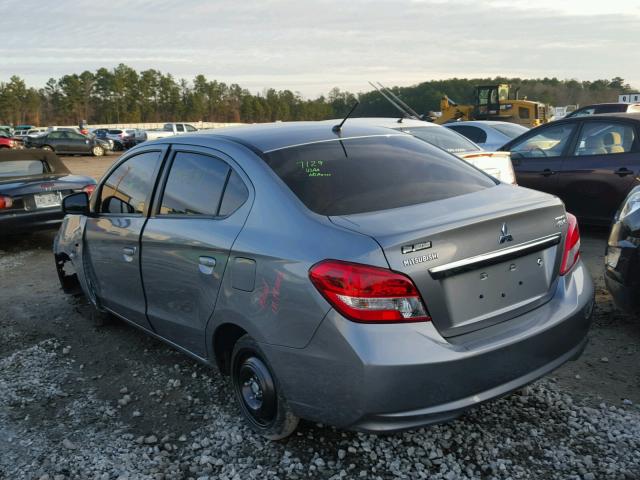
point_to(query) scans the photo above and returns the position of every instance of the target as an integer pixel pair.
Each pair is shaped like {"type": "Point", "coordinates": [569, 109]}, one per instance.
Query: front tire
{"type": "Point", "coordinates": [258, 394]}
{"type": "Point", "coordinates": [97, 151]}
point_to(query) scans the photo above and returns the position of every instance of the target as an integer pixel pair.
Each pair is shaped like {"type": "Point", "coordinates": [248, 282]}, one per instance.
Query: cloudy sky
{"type": "Point", "coordinates": [312, 46]}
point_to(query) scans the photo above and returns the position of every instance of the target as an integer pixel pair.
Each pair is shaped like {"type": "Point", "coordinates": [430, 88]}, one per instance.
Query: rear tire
{"type": "Point", "coordinates": [97, 151]}
{"type": "Point", "coordinates": [258, 394]}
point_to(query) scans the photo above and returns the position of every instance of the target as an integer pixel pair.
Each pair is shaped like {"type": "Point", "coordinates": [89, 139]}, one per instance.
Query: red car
{"type": "Point", "coordinates": [7, 142]}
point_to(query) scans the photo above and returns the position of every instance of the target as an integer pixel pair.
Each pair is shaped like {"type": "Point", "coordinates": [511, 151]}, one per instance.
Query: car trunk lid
{"type": "Point", "coordinates": [477, 259]}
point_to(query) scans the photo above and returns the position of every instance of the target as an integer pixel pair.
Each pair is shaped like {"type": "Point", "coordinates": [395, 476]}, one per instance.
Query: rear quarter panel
{"type": "Point", "coordinates": [68, 247]}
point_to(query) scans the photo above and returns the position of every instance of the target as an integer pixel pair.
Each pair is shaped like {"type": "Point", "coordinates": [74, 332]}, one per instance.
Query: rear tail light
{"type": "Point", "coordinates": [5, 202]}
{"type": "Point", "coordinates": [368, 294]}
{"type": "Point", "coordinates": [89, 188]}
{"type": "Point", "coordinates": [571, 245]}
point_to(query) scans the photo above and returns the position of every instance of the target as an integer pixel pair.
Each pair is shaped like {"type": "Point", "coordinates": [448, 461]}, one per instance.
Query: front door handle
{"type": "Point", "coordinates": [128, 253]}
{"type": "Point", "coordinates": [206, 265]}
{"type": "Point", "coordinates": [547, 172]}
{"type": "Point", "coordinates": [623, 172]}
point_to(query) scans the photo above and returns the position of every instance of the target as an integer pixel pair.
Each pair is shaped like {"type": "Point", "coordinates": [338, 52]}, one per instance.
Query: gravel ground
{"type": "Point", "coordinates": [83, 402]}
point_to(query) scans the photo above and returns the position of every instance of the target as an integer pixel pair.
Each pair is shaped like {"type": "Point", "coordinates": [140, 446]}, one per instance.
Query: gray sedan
{"type": "Point", "coordinates": [352, 276]}
{"type": "Point", "coordinates": [489, 134]}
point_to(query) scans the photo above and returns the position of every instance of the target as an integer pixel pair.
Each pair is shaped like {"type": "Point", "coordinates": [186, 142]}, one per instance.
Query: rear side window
{"type": "Point", "coordinates": [375, 173]}
{"type": "Point", "coordinates": [128, 187]}
{"type": "Point", "coordinates": [235, 195]}
{"type": "Point", "coordinates": [474, 134]}
{"type": "Point", "coordinates": [194, 185]}
{"type": "Point", "coordinates": [444, 138]}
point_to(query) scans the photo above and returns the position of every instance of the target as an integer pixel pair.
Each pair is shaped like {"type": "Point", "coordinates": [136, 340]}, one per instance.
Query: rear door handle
{"type": "Point", "coordinates": [128, 253]}
{"type": "Point", "coordinates": [547, 172]}
{"type": "Point", "coordinates": [623, 172]}
{"type": "Point", "coordinates": [206, 265]}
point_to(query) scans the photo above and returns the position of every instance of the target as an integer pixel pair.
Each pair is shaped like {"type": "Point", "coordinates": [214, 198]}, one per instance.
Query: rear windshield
{"type": "Point", "coordinates": [21, 168]}
{"type": "Point", "coordinates": [374, 173]}
{"type": "Point", "coordinates": [510, 130]}
{"type": "Point", "coordinates": [444, 138]}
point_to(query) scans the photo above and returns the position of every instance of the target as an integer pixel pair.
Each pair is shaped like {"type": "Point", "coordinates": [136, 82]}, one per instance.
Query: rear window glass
{"type": "Point", "coordinates": [21, 168]}
{"type": "Point", "coordinates": [510, 130]}
{"type": "Point", "coordinates": [375, 173]}
{"type": "Point", "coordinates": [444, 138]}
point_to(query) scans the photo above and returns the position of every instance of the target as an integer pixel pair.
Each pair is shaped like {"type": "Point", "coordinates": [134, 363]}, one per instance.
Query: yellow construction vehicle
{"type": "Point", "coordinates": [493, 102]}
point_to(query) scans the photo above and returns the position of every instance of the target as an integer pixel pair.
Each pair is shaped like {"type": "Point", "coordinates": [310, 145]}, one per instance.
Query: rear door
{"type": "Point", "coordinates": [112, 234]}
{"type": "Point", "coordinates": [537, 157]}
{"type": "Point", "coordinates": [596, 177]}
{"type": "Point", "coordinates": [198, 213]}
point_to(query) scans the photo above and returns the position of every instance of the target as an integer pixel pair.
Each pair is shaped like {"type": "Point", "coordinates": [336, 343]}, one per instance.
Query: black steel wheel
{"type": "Point", "coordinates": [256, 391]}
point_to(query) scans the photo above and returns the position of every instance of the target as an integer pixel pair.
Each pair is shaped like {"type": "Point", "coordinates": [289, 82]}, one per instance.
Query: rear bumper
{"type": "Point", "coordinates": [379, 378]}
{"type": "Point", "coordinates": [26, 221]}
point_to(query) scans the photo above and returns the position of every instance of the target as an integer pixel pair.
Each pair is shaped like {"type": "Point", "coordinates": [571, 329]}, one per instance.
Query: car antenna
{"type": "Point", "coordinates": [392, 102]}
{"type": "Point", "coordinates": [404, 105]}
{"type": "Point", "coordinates": [337, 128]}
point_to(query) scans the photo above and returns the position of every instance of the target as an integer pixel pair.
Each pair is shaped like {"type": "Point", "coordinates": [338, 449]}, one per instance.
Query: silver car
{"type": "Point", "coordinates": [356, 277]}
{"type": "Point", "coordinates": [489, 134]}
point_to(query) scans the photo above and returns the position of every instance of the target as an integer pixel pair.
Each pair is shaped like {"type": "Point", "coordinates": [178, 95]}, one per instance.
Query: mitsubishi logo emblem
{"type": "Point", "coordinates": [505, 236]}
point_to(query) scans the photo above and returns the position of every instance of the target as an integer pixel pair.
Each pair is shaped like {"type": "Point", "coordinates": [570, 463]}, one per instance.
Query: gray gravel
{"type": "Point", "coordinates": [540, 432]}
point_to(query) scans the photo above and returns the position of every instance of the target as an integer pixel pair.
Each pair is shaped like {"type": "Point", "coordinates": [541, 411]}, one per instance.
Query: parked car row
{"type": "Point", "coordinates": [389, 250]}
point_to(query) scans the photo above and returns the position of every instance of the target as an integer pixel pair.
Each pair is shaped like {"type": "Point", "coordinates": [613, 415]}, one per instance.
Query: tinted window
{"type": "Point", "coordinates": [179, 128]}
{"type": "Point", "coordinates": [194, 185]}
{"type": "Point", "coordinates": [511, 130]}
{"type": "Point", "coordinates": [548, 142]}
{"type": "Point", "coordinates": [126, 190]}
{"type": "Point", "coordinates": [21, 168]}
{"type": "Point", "coordinates": [374, 173]}
{"type": "Point", "coordinates": [235, 194]}
{"type": "Point", "coordinates": [474, 134]}
{"type": "Point", "coordinates": [444, 138]}
{"type": "Point", "coordinates": [610, 108]}
{"type": "Point", "coordinates": [75, 136]}
{"type": "Point", "coordinates": [58, 134]}
{"type": "Point", "coordinates": [190, 128]}
{"type": "Point", "coordinates": [603, 138]}
{"type": "Point", "coordinates": [115, 132]}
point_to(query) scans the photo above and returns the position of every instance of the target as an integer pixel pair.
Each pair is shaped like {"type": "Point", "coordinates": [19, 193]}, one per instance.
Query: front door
{"type": "Point", "coordinates": [597, 176]}
{"type": "Point", "coordinates": [537, 158]}
{"type": "Point", "coordinates": [112, 235]}
{"type": "Point", "coordinates": [186, 244]}
{"type": "Point", "coordinates": [78, 143]}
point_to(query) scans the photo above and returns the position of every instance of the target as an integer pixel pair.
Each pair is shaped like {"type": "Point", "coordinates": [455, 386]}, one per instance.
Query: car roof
{"type": "Point", "coordinates": [607, 104]}
{"type": "Point", "coordinates": [486, 123]}
{"type": "Point", "coordinates": [599, 116]}
{"type": "Point", "coordinates": [267, 137]}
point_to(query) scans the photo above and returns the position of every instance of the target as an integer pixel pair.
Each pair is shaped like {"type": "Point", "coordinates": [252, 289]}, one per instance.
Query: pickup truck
{"type": "Point", "coordinates": [170, 129]}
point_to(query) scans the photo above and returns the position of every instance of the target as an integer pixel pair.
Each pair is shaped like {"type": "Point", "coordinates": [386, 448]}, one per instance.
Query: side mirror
{"type": "Point", "coordinates": [76, 204]}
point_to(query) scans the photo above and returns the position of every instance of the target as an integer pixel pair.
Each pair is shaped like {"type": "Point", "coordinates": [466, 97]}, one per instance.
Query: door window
{"type": "Point", "coordinates": [605, 138]}
{"type": "Point", "coordinates": [549, 142]}
{"type": "Point", "coordinates": [75, 136]}
{"type": "Point", "coordinates": [58, 135]}
{"type": "Point", "coordinates": [191, 128]}
{"type": "Point", "coordinates": [179, 127]}
{"type": "Point", "coordinates": [128, 187]}
{"type": "Point", "coordinates": [194, 185]}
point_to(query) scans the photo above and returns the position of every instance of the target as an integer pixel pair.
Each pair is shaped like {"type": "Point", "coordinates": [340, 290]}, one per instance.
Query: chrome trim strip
{"type": "Point", "coordinates": [336, 140]}
{"type": "Point", "coordinates": [496, 256]}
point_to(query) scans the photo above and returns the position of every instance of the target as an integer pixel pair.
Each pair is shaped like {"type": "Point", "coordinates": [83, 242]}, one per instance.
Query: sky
{"type": "Point", "coordinates": [312, 46]}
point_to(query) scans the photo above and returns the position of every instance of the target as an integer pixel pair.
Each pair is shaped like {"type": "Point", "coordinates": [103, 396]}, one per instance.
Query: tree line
{"type": "Point", "coordinates": [124, 95]}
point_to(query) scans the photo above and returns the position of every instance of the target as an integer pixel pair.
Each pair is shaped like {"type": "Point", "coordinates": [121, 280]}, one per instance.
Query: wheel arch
{"type": "Point", "coordinates": [225, 337]}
